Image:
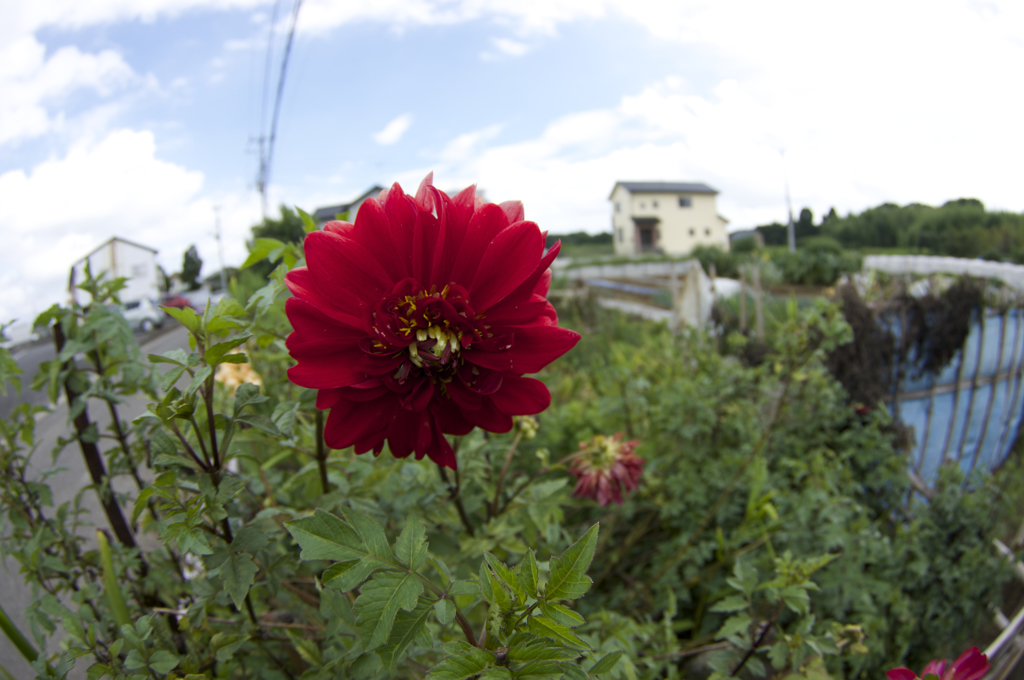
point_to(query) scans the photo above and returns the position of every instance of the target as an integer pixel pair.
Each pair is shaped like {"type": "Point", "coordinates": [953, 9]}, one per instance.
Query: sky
{"type": "Point", "coordinates": [140, 118]}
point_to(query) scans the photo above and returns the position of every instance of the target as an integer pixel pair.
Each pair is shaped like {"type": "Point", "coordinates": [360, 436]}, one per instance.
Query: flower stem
{"type": "Point", "coordinates": [454, 494]}
{"type": "Point", "coordinates": [321, 453]}
{"type": "Point", "coordinates": [493, 510]}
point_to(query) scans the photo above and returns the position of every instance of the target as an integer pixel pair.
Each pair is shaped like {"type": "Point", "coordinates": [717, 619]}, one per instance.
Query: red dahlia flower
{"type": "Point", "coordinates": [421, 318]}
{"type": "Point", "coordinates": [604, 467]}
{"type": "Point", "coordinates": [971, 665]}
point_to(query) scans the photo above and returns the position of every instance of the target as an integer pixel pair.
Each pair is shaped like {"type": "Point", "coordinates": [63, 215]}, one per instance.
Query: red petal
{"type": "Point", "coordinates": [533, 349]}
{"type": "Point", "coordinates": [458, 212]}
{"type": "Point", "coordinates": [423, 196]}
{"type": "Point", "coordinates": [319, 370]}
{"type": "Point", "coordinates": [345, 271]}
{"type": "Point", "coordinates": [339, 228]}
{"type": "Point", "coordinates": [401, 214]}
{"type": "Point", "coordinates": [508, 261]}
{"type": "Point", "coordinates": [325, 399]}
{"type": "Point", "coordinates": [521, 396]}
{"type": "Point", "coordinates": [487, 222]}
{"type": "Point", "coordinates": [301, 283]}
{"type": "Point", "coordinates": [535, 312]}
{"type": "Point", "coordinates": [450, 418]}
{"type": "Point", "coordinates": [310, 323]}
{"type": "Point", "coordinates": [402, 431]}
{"type": "Point", "coordinates": [901, 674]}
{"type": "Point", "coordinates": [464, 397]}
{"type": "Point", "coordinates": [514, 211]}
{"type": "Point", "coordinates": [488, 417]}
{"type": "Point", "coordinates": [350, 422]}
{"type": "Point", "coordinates": [539, 281]}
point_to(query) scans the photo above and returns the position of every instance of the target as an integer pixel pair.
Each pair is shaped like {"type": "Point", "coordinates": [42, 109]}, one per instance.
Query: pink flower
{"type": "Point", "coordinates": [604, 467]}
{"type": "Point", "coordinates": [971, 665]}
{"type": "Point", "coordinates": [421, 318]}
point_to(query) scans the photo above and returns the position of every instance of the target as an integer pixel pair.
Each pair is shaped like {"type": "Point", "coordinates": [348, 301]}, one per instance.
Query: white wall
{"type": "Point", "coordinates": [680, 229]}
{"type": "Point", "coordinates": [116, 259]}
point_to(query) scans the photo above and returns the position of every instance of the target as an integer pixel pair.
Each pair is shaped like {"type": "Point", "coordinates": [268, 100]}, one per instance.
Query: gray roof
{"type": "Point", "coordinates": [328, 213]}
{"type": "Point", "coordinates": [665, 188]}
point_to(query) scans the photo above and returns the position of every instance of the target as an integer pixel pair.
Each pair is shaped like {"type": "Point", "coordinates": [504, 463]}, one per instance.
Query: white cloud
{"type": "Point", "coordinates": [506, 47]}
{"type": "Point", "coordinates": [54, 214]}
{"type": "Point", "coordinates": [394, 130]}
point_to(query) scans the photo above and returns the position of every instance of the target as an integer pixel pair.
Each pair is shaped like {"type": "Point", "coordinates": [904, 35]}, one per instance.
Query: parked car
{"type": "Point", "coordinates": [143, 314]}
{"type": "Point", "coordinates": [178, 301]}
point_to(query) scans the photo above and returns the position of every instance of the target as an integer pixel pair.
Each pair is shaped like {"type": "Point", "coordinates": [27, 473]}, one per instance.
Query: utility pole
{"type": "Point", "coordinates": [790, 228]}
{"type": "Point", "coordinates": [220, 250]}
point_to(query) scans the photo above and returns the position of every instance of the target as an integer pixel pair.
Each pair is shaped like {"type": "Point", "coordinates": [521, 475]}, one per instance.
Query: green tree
{"type": "Point", "coordinates": [287, 229]}
{"type": "Point", "coordinates": [190, 268]}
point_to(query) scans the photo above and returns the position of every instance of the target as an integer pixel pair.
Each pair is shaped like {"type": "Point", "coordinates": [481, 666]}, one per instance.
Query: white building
{"type": "Point", "coordinates": [665, 217]}
{"type": "Point", "coordinates": [121, 258]}
{"type": "Point", "coordinates": [328, 213]}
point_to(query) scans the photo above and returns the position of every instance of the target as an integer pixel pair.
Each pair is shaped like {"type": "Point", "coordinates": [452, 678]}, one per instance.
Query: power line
{"type": "Point", "coordinates": [267, 159]}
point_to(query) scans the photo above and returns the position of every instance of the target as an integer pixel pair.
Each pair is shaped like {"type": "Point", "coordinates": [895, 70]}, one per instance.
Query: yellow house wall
{"type": "Point", "coordinates": [675, 223]}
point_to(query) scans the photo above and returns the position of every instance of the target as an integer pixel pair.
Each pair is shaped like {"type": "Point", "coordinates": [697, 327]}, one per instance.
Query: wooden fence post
{"type": "Point", "coordinates": [758, 308]}
{"type": "Point", "coordinates": [743, 299]}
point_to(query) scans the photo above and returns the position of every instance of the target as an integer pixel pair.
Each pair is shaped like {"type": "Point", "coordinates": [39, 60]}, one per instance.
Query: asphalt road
{"type": "Point", "coordinates": [15, 595]}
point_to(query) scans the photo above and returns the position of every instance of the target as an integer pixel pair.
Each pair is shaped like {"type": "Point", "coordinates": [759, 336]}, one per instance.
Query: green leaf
{"type": "Point", "coordinates": [527, 574]}
{"type": "Point", "coordinates": [733, 603]}
{"type": "Point", "coordinates": [737, 624]}
{"type": "Point", "coordinates": [561, 614]}
{"type": "Point", "coordinates": [464, 588]}
{"type": "Point", "coordinates": [171, 377]}
{"type": "Point", "coordinates": [540, 649]}
{"type": "Point", "coordinates": [186, 316]}
{"type": "Point", "coordinates": [445, 611]}
{"type": "Point", "coordinates": [247, 394]}
{"type": "Point", "coordinates": [573, 672]}
{"type": "Point", "coordinates": [371, 533]}
{"type": "Point", "coordinates": [505, 575]}
{"type": "Point", "coordinates": [198, 379]}
{"type": "Point", "coordinates": [308, 224]}
{"type": "Point", "coordinates": [262, 423]}
{"type": "Point", "coordinates": [261, 248]}
{"type": "Point", "coordinates": [568, 578]}
{"type": "Point", "coordinates": [496, 673]}
{"type": "Point", "coordinates": [345, 576]}
{"type": "Point", "coordinates": [465, 664]}
{"type": "Point", "coordinates": [408, 626]}
{"type": "Point", "coordinates": [540, 670]}
{"type": "Point", "coordinates": [249, 539]}
{"type": "Point", "coordinates": [214, 353]}
{"type": "Point", "coordinates": [495, 594]}
{"type": "Point", "coordinates": [545, 627]}
{"type": "Point", "coordinates": [607, 663]}
{"type": "Point", "coordinates": [411, 546]}
{"type": "Point", "coordinates": [163, 662]}
{"type": "Point", "coordinates": [379, 601]}
{"type": "Point", "coordinates": [238, 572]}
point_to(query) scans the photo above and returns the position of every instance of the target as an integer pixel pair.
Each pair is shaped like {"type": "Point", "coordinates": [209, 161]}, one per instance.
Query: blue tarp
{"type": "Point", "coordinates": [968, 412]}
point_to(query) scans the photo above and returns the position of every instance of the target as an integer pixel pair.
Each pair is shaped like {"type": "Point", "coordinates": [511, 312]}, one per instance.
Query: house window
{"type": "Point", "coordinates": [684, 202]}
{"type": "Point", "coordinates": [707, 232]}
{"type": "Point", "coordinates": [691, 232]}
{"type": "Point", "coordinates": [654, 204]}
{"type": "Point", "coordinates": [621, 235]}
{"type": "Point", "coordinates": [618, 207]}
{"type": "Point", "coordinates": [139, 270]}
{"type": "Point", "coordinates": [642, 205]}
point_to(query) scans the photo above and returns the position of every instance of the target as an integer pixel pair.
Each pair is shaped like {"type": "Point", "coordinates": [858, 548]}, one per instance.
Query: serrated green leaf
{"type": "Point", "coordinates": [607, 662]}
{"type": "Point", "coordinates": [411, 546]}
{"type": "Point", "coordinates": [573, 672]}
{"type": "Point", "coordinates": [262, 423]}
{"type": "Point", "coordinates": [163, 662]}
{"type": "Point", "coordinates": [379, 601]}
{"type": "Point", "coordinates": [445, 611]}
{"type": "Point", "coordinates": [496, 673]}
{"type": "Point", "coordinates": [371, 533]}
{"type": "Point", "coordinates": [198, 379]}
{"type": "Point", "coordinates": [540, 670]}
{"type": "Point", "coordinates": [733, 603]}
{"type": "Point", "coordinates": [545, 627]}
{"type": "Point", "coordinates": [408, 626]}
{"type": "Point", "coordinates": [464, 664]}
{"type": "Point", "coordinates": [308, 225]}
{"type": "Point", "coordinates": [249, 539]}
{"type": "Point", "coordinates": [350, 574]}
{"type": "Point", "coordinates": [186, 316]}
{"type": "Point", "coordinates": [247, 394]}
{"type": "Point", "coordinates": [171, 377]}
{"type": "Point", "coordinates": [505, 576]}
{"type": "Point", "coordinates": [260, 250]}
{"type": "Point", "coordinates": [464, 588]}
{"type": "Point", "coordinates": [527, 574]}
{"type": "Point", "coordinates": [238, 572]}
{"type": "Point", "coordinates": [540, 649]}
{"type": "Point", "coordinates": [738, 624]}
{"type": "Point", "coordinates": [562, 615]}
{"type": "Point", "coordinates": [568, 578]}
{"type": "Point", "coordinates": [496, 595]}
{"type": "Point", "coordinates": [213, 354]}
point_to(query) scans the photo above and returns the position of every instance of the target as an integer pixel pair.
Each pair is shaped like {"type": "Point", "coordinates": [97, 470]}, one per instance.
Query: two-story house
{"type": "Point", "coordinates": [665, 217]}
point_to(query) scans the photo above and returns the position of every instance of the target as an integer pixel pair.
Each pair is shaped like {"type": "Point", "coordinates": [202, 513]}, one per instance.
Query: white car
{"type": "Point", "coordinates": [143, 314]}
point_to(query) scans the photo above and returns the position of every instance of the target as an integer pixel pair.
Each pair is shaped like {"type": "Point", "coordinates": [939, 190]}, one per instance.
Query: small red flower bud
{"type": "Point", "coordinates": [605, 466]}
